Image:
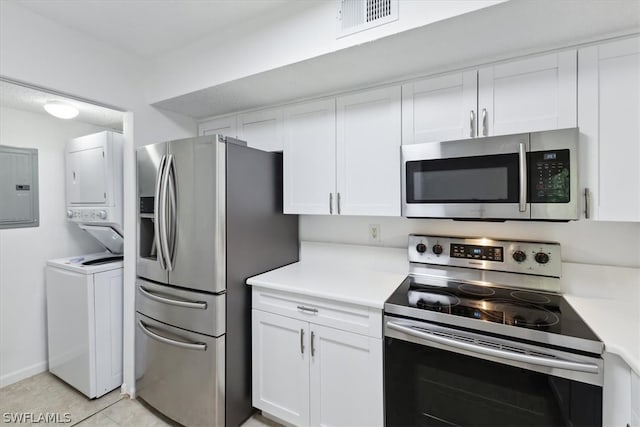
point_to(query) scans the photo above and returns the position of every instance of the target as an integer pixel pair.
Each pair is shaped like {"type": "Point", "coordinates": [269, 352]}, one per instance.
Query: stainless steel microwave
{"type": "Point", "coordinates": [529, 176]}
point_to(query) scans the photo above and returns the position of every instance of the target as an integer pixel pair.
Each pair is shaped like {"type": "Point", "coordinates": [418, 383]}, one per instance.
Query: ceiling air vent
{"type": "Point", "coordinates": [359, 15]}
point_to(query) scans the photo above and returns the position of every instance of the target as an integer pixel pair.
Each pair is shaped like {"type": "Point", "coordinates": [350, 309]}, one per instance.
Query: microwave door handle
{"type": "Point", "coordinates": [522, 159]}
{"type": "Point", "coordinates": [157, 226]}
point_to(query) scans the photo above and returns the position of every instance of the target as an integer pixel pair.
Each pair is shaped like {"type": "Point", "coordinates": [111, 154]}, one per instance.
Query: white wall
{"type": "Point", "coordinates": [290, 34]}
{"type": "Point", "coordinates": [39, 51]}
{"type": "Point", "coordinates": [587, 242]}
{"type": "Point", "coordinates": [25, 251]}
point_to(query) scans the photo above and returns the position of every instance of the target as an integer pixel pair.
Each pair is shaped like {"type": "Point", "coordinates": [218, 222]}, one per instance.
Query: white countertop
{"type": "Point", "coordinates": [361, 275]}
{"type": "Point", "coordinates": [607, 298]}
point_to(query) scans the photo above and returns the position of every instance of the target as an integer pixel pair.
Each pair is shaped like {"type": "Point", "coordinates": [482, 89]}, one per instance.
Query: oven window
{"type": "Point", "coordinates": [475, 179]}
{"type": "Point", "coordinates": [425, 386]}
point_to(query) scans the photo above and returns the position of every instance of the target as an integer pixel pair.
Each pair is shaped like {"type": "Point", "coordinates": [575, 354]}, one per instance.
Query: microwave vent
{"type": "Point", "coordinates": [359, 15]}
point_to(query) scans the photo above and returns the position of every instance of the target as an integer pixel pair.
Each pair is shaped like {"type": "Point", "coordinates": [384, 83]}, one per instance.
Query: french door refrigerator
{"type": "Point", "coordinates": [210, 216]}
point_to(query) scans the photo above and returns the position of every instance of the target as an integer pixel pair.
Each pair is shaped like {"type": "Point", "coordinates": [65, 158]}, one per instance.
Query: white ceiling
{"type": "Point", "coordinates": [151, 27]}
{"type": "Point", "coordinates": [33, 100]}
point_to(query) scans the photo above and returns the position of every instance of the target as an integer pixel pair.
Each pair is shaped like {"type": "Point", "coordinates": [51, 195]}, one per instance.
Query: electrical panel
{"type": "Point", "coordinates": [19, 205]}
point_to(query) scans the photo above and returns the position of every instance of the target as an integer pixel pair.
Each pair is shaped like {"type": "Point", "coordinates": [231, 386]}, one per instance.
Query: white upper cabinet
{"type": "Point", "coordinates": [226, 126]}
{"type": "Point", "coordinates": [609, 121]}
{"type": "Point", "coordinates": [440, 108]}
{"type": "Point", "coordinates": [262, 129]}
{"type": "Point", "coordinates": [529, 95]}
{"type": "Point", "coordinates": [368, 153]}
{"type": "Point", "coordinates": [309, 157]}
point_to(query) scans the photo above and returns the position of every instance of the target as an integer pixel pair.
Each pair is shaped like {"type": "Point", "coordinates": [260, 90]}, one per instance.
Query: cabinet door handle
{"type": "Point", "coordinates": [587, 197]}
{"type": "Point", "coordinates": [338, 203]}
{"type": "Point", "coordinates": [330, 203]}
{"type": "Point", "coordinates": [313, 348]}
{"type": "Point", "coordinates": [485, 130]}
{"type": "Point", "coordinates": [301, 341]}
{"type": "Point", "coordinates": [472, 124]}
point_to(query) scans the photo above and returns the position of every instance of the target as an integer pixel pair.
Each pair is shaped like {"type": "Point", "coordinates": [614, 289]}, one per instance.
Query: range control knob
{"type": "Point", "coordinates": [102, 214]}
{"type": "Point", "coordinates": [437, 249]}
{"type": "Point", "coordinates": [69, 213]}
{"type": "Point", "coordinates": [519, 256]}
{"type": "Point", "coordinates": [421, 248]}
{"type": "Point", "coordinates": [542, 258]}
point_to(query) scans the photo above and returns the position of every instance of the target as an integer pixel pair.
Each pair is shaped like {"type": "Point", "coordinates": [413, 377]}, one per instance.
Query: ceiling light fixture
{"type": "Point", "coordinates": [61, 110]}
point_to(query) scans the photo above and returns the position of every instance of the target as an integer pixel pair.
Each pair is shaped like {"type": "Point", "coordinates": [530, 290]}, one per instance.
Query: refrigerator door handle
{"type": "Point", "coordinates": [164, 226]}
{"type": "Point", "coordinates": [173, 214]}
{"type": "Point", "coordinates": [158, 211]}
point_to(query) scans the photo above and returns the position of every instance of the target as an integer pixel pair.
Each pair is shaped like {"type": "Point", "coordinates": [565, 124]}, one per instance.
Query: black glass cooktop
{"type": "Point", "coordinates": [518, 308]}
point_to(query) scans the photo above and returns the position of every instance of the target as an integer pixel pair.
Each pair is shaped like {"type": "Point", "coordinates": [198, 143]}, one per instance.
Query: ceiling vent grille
{"type": "Point", "coordinates": [359, 15]}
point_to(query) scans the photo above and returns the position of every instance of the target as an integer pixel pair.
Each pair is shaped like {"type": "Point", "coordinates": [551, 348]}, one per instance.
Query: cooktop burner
{"type": "Point", "coordinates": [494, 296]}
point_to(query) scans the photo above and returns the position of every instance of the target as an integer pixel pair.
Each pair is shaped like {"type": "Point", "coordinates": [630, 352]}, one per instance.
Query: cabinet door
{"type": "Point", "coordinates": [262, 129]}
{"type": "Point", "coordinates": [368, 153]}
{"type": "Point", "coordinates": [440, 108]}
{"type": "Point", "coordinates": [280, 363]}
{"type": "Point", "coordinates": [221, 125]}
{"type": "Point", "coordinates": [309, 158]}
{"type": "Point", "coordinates": [608, 111]}
{"type": "Point", "coordinates": [616, 393]}
{"type": "Point", "coordinates": [533, 94]}
{"type": "Point", "coordinates": [346, 379]}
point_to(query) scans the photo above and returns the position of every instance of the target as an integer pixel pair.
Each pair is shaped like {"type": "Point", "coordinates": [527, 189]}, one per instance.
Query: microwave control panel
{"type": "Point", "coordinates": [549, 177]}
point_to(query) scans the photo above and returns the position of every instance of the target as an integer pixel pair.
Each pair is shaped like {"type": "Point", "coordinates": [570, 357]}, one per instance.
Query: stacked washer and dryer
{"type": "Point", "coordinates": [84, 293]}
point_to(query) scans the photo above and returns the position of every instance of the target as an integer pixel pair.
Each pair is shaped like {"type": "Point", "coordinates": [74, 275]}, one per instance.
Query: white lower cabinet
{"type": "Point", "coordinates": [616, 399]}
{"type": "Point", "coordinates": [309, 374]}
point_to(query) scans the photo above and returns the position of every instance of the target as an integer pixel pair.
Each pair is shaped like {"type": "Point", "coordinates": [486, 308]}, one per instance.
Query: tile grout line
{"type": "Point", "coordinates": [96, 413]}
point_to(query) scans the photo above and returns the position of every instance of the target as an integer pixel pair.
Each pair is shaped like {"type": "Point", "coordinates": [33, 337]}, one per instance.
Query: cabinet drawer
{"type": "Point", "coordinates": [348, 317]}
{"type": "Point", "coordinates": [194, 311]}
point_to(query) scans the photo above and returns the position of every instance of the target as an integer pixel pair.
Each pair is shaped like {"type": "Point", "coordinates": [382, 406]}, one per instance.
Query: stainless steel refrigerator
{"type": "Point", "coordinates": [210, 216]}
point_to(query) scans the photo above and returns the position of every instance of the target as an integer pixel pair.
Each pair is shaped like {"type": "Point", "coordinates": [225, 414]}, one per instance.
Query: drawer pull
{"type": "Point", "coordinates": [307, 309]}
{"type": "Point", "coordinates": [157, 337]}
{"type": "Point", "coordinates": [187, 304]}
{"type": "Point", "coordinates": [301, 341]}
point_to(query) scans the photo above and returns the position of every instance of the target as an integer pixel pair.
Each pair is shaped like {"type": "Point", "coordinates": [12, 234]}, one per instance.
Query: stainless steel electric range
{"type": "Point", "coordinates": [479, 335]}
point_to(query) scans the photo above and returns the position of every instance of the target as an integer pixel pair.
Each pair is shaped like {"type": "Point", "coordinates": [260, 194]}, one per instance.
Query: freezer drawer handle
{"type": "Point", "coordinates": [202, 305]}
{"type": "Point", "coordinates": [189, 346]}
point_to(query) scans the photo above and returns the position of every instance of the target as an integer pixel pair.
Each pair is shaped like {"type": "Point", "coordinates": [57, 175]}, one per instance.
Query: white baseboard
{"type": "Point", "coordinates": [130, 391]}
{"type": "Point", "coordinates": [29, 371]}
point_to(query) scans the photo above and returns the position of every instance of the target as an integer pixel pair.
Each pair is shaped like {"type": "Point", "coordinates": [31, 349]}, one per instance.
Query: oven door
{"type": "Point", "coordinates": [439, 376]}
{"type": "Point", "coordinates": [483, 178]}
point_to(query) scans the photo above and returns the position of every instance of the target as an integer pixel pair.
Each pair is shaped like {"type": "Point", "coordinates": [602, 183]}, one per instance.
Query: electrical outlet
{"type": "Point", "coordinates": [374, 232]}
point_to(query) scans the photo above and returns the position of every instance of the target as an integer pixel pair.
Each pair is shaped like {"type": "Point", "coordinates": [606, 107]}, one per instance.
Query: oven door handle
{"type": "Point", "coordinates": [495, 352]}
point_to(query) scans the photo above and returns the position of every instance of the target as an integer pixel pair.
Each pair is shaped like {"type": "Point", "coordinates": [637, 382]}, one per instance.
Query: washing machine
{"type": "Point", "coordinates": [84, 318]}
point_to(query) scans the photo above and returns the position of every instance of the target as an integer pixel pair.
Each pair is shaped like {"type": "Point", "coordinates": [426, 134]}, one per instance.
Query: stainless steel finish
{"type": "Point", "coordinates": [485, 128]}
{"type": "Point", "coordinates": [173, 212]}
{"type": "Point", "coordinates": [187, 345]}
{"type": "Point", "coordinates": [508, 144]}
{"type": "Point", "coordinates": [551, 269]}
{"type": "Point", "coordinates": [338, 203]}
{"type": "Point", "coordinates": [164, 209]}
{"type": "Point", "coordinates": [194, 396]}
{"type": "Point", "coordinates": [472, 124]}
{"type": "Point", "coordinates": [158, 213]}
{"type": "Point", "coordinates": [479, 346]}
{"type": "Point", "coordinates": [307, 309]}
{"type": "Point", "coordinates": [202, 305]}
{"type": "Point", "coordinates": [557, 140]}
{"type": "Point", "coordinates": [150, 165]}
{"type": "Point", "coordinates": [536, 358]}
{"type": "Point", "coordinates": [301, 341]}
{"type": "Point", "coordinates": [587, 197]}
{"type": "Point", "coordinates": [522, 158]}
{"type": "Point", "coordinates": [330, 203]}
{"type": "Point", "coordinates": [313, 348]}
{"type": "Point", "coordinates": [196, 311]}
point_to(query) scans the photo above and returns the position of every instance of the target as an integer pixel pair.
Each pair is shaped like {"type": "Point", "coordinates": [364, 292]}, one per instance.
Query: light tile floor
{"type": "Point", "coordinates": [46, 394]}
